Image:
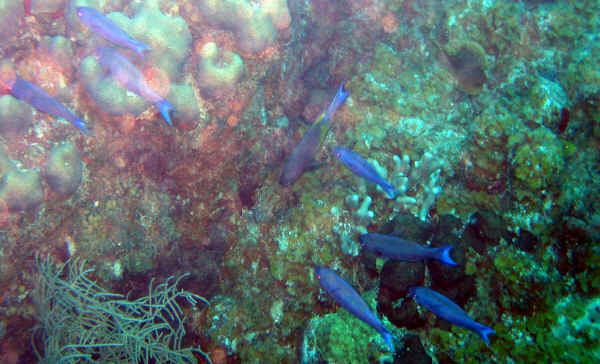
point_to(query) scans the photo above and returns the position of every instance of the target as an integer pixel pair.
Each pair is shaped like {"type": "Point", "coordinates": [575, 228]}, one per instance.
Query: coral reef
{"type": "Point", "coordinates": [218, 70]}
{"type": "Point", "coordinates": [63, 169]}
{"type": "Point", "coordinates": [151, 26]}
{"type": "Point", "coordinates": [12, 14]}
{"type": "Point", "coordinates": [15, 115]}
{"type": "Point", "coordinates": [21, 190]}
{"type": "Point", "coordinates": [483, 114]}
{"type": "Point", "coordinates": [340, 337]}
{"type": "Point", "coordinates": [106, 92]}
{"type": "Point", "coordinates": [254, 24]}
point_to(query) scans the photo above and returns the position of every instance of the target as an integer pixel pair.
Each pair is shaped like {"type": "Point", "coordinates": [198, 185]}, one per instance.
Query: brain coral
{"type": "Point", "coordinates": [255, 24]}
{"type": "Point", "coordinates": [63, 169]}
{"type": "Point", "coordinates": [21, 190]}
{"type": "Point", "coordinates": [168, 37]}
{"type": "Point", "coordinates": [218, 70]}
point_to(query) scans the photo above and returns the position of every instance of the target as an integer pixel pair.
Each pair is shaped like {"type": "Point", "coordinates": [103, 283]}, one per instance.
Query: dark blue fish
{"type": "Point", "coordinates": [128, 76]}
{"type": "Point", "coordinates": [108, 30]}
{"type": "Point", "coordinates": [400, 249]}
{"type": "Point", "coordinates": [344, 295]}
{"type": "Point", "coordinates": [359, 166]}
{"type": "Point", "coordinates": [443, 307]}
{"type": "Point", "coordinates": [42, 101]}
{"type": "Point", "coordinates": [302, 158]}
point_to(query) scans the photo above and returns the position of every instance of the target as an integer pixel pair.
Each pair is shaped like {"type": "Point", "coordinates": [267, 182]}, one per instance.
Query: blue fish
{"type": "Point", "coordinates": [359, 166]}
{"type": "Point", "coordinates": [344, 295]}
{"type": "Point", "coordinates": [400, 249]}
{"type": "Point", "coordinates": [42, 101]}
{"type": "Point", "coordinates": [443, 307]}
{"type": "Point", "coordinates": [108, 30]}
{"type": "Point", "coordinates": [128, 76]}
{"type": "Point", "coordinates": [302, 158]}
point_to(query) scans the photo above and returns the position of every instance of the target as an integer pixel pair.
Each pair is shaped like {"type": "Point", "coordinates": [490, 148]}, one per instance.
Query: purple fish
{"type": "Point", "coordinates": [42, 101]}
{"type": "Point", "coordinates": [302, 158]}
{"type": "Point", "coordinates": [108, 30]}
{"type": "Point", "coordinates": [128, 76]}
{"type": "Point", "coordinates": [359, 166]}
{"type": "Point", "coordinates": [400, 249]}
{"type": "Point", "coordinates": [443, 307]}
{"type": "Point", "coordinates": [344, 295]}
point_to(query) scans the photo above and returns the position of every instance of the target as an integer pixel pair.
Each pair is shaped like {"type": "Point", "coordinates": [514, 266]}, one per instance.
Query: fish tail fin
{"type": "Point", "coordinates": [140, 48]}
{"type": "Point", "coordinates": [81, 125]}
{"type": "Point", "coordinates": [389, 340]}
{"type": "Point", "coordinates": [338, 100]}
{"type": "Point", "coordinates": [484, 332]}
{"type": "Point", "coordinates": [84, 129]}
{"type": "Point", "coordinates": [164, 107]}
{"type": "Point", "coordinates": [443, 255]}
{"type": "Point", "coordinates": [389, 190]}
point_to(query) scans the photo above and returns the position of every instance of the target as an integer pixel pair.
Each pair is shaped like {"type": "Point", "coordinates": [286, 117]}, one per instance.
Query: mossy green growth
{"type": "Point", "coordinates": [342, 338]}
{"type": "Point", "coordinates": [538, 160]}
{"type": "Point", "coordinates": [589, 279]}
{"type": "Point", "coordinates": [564, 333]}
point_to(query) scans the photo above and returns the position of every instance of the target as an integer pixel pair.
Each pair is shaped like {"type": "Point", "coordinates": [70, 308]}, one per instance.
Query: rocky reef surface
{"type": "Point", "coordinates": [484, 115]}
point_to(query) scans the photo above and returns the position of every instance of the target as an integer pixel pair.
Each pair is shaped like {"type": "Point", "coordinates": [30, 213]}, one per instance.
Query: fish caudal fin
{"type": "Point", "coordinates": [164, 107]}
{"type": "Point", "coordinates": [338, 100]}
{"type": "Point", "coordinates": [140, 48]}
{"type": "Point", "coordinates": [83, 126]}
{"type": "Point", "coordinates": [484, 332]}
{"type": "Point", "coordinates": [443, 255]}
{"type": "Point", "coordinates": [389, 190]}
{"type": "Point", "coordinates": [389, 340]}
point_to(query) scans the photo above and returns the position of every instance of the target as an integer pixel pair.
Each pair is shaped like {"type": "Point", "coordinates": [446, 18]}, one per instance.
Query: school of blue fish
{"type": "Point", "coordinates": [300, 161]}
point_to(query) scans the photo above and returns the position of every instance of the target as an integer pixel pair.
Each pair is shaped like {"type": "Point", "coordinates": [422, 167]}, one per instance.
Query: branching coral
{"type": "Point", "coordinates": [348, 231]}
{"type": "Point", "coordinates": [81, 322]}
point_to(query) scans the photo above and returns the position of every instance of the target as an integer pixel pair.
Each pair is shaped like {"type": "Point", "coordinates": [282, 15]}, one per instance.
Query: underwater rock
{"type": "Point", "coordinates": [485, 229]}
{"type": "Point", "coordinates": [15, 115]}
{"type": "Point", "coordinates": [409, 227]}
{"type": "Point", "coordinates": [413, 352]}
{"type": "Point", "coordinates": [468, 62]}
{"type": "Point", "coordinates": [218, 70]}
{"type": "Point", "coordinates": [404, 315]}
{"type": "Point", "coordinates": [21, 190]}
{"type": "Point", "coordinates": [396, 279]}
{"type": "Point", "coordinates": [63, 169]}
{"type": "Point", "coordinates": [527, 241]}
{"type": "Point", "coordinates": [11, 13]}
